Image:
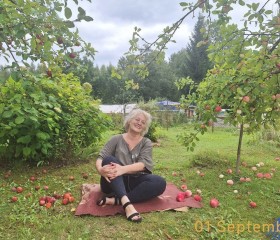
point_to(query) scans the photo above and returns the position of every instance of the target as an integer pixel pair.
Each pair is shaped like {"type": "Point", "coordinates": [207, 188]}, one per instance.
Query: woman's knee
{"type": "Point", "coordinates": [159, 183]}
{"type": "Point", "coordinates": [109, 159]}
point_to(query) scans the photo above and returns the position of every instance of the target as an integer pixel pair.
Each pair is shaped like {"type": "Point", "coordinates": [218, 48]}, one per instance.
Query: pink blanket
{"type": "Point", "coordinates": [167, 201]}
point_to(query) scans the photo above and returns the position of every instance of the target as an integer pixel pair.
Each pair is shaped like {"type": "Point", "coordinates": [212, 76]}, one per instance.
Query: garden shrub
{"type": "Point", "coordinates": [43, 118]}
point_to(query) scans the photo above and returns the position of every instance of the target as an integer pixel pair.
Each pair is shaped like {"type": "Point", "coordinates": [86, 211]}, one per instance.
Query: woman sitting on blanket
{"type": "Point", "coordinates": [125, 165]}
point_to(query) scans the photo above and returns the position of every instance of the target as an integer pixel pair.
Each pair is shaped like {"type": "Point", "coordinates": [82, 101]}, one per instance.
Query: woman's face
{"type": "Point", "coordinates": [138, 124]}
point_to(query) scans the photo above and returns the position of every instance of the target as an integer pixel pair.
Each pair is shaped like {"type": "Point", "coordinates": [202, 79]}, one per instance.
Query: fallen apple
{"type": "Point", "coordinates": [259, 175]}
{"type": "Point", "coordinates": [180, 197]}
{"type": "Point", "coordinates": [229, 182]}
{"type": "Point", "coordinates": [14, 199]}
{"type": "Point", "coordinates": [253, 204]}
{"type": "Point", "coordinates": [184, 187]}
{"type": "Point", "coordinates": [246, 99]}
{"type": "Point", "coordinates": [214, 203]}
{"type": "Point", "coordinates": [218, 108]}
{"type": "Point", "coordinates": [19, 189]}
{"type": "Point", "coordinates": [188, 193]}
{"type": "Point", "coordinates": [221, 176]}
{"type": "Point", "coordinates": [42, 202]}
{"type": "Point", "coordinates": [229, 171]}
{"type": "Point", "coordinates": [197, 198]}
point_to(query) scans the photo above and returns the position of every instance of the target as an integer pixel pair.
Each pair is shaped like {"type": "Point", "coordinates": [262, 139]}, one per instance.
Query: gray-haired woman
{"type": "Point", "coordinates": [125, 165]}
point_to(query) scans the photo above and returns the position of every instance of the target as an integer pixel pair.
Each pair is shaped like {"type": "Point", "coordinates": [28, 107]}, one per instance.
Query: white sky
{"type": "Point", "coordinates": [114, 22]}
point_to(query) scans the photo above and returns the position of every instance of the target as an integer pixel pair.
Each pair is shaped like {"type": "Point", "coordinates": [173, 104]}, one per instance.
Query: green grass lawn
{"type": "Point", "coordinates": [214, 154]}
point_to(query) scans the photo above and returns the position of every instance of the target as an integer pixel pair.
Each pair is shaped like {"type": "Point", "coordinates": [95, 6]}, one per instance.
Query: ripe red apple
{"type": "Point", "coordinates": [229, 171]}
{"type": "Point", "coordinates": [71, 178]}
{"type": "Point", "coordinates": [267, 175]}
{"type": "Point", "coordinates": [46, 187]}
{"type": "Point", "coordinates": [14, 199]}
{"type": "Point", "coordinates": [259, 175]}
{"type": "Point", "coordinates": [65, 201]}
{"type": "Point", "coordinates": [71, 199]}
{"type": "Point", "coordinates": [180, 197]}
{"type": "Point", "coordinates": [242, 179]}
{"type": "Point", "coordinates": [42, 202]}
{"type": "Point", "coordinates": [13, 189]}
{"type": "Point", "coordinates": [48, 205]}
{"type": "Point", "coordinates": [197, 198]}
{"type": "Point", "coordinates": [184, 187]}
{"type": "Point", "coordinates": [246, 99]}
{"type": "Point", "coordinates": [188, 193]}
{"type": "Point", "coordinates": [218, 108]}
{"type": "Point", "coordinates": [72, 55]}
{"type": "Point", "coordinates": [32, 178]}
{"type": "Point", "coordinates": [214, 203]}
{"type": "Point", "coordinates": [19, 189]}
{"type": "Point", "coordinates": [253, 204]}
{"type": "Point", "coordinates": [201, 174]}
{"type": "Point", "coordinates": [229, 182]}
{"type": "Point", "coordinates": [67, 195]}
{"type": "Point", "coordinates": [59, 40]}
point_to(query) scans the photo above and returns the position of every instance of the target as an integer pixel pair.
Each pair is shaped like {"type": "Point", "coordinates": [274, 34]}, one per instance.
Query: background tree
{"type": "Point", "coordinates": [197, 62]}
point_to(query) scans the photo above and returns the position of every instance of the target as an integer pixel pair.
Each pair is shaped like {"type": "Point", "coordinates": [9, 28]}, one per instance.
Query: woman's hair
{"type": "Point", "coordinates": [133, 114]}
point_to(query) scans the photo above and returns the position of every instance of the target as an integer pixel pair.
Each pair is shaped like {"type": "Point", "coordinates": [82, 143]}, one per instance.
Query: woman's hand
{"type": "Point", "coordinates": [118, 170]}
{"type": "Point", "coordinates": [107, 171]}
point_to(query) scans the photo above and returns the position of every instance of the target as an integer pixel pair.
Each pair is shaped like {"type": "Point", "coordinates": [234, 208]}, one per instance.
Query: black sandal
{"type": "Point", "coordinates": [102, 201]}
{"type": "Point", "coordinates": [130, 217]}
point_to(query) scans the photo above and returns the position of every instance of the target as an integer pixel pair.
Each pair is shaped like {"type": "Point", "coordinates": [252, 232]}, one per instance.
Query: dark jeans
{"type": "Point", "coordinates": [137, 188]}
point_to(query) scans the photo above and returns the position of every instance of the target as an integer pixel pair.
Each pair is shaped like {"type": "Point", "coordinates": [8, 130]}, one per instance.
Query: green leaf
{"type": "Point", "coordinates": [26, 151]}
{"type": "Point", "coordinates": [42, 135]}
{"type": "Point", "coordinates": [81, 11]}
{"type": "Point", "coordinates": [88, 18]}
{"type": "Point", "coordinates": [69, 24]}
{"type": "Point", "coordinates": [19, 120]}
{"type": "Point", "coordinates": [7, 114]}
{"type": "Point", "coordinates": [67, 12]}
{"type": "Point", "coordinates": [241, 2]}
{"type": "Point", "coordinates": [24, 139]}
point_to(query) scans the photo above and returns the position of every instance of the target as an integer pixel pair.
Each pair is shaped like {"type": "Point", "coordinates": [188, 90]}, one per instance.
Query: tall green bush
{"type": "Point", "coordinates": [45, 118]}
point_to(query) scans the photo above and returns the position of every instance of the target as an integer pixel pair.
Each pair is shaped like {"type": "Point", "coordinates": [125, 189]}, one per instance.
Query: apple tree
{"type": "Point", "coordinates": [44, 116]}
{"type": "Point", "coordinates": [245, 77]}
{"type": "Point", "coordinates": [42, 32]}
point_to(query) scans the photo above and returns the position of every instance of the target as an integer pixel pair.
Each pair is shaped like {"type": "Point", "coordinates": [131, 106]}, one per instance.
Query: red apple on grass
{"type": "Point", "coordinates": [229, 182]}
{"type": "Point", "coordinates": [184, 187]}
{"type": "Point", "coordinates": [229, 171]}
{"type": "Point", "coordinates": [14, 199]}
{"type": "Point", "coordinates": [253, 204]}
{"type": "Point", "coordinates": [42, 202]}
{"type": "Point", "coordinates": [246, 99]}
{"type": "Point", "coordinates": [214, 203]}
{"type": "Point", "coordinates": [19, 189]}
{"type": "Point", "coordinates": [197, 198]}
{"type": "Point", "coordinates": [218, 108]}
{"type": "Point", "coordinates": [32, 178]}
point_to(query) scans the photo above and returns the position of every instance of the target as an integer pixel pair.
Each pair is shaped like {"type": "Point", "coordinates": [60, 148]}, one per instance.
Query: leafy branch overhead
{"type": "Point", "coordinates": [32, 31]}
{"type": "Point", "coordinates": [244, 79]}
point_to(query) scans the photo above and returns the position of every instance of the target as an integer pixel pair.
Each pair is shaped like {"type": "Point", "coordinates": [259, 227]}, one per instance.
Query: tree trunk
{"type": "Point", "coordinates": [239, 148]}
